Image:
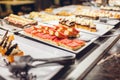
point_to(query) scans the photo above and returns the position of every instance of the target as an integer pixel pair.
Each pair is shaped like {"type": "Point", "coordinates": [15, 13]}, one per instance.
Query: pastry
{"type": "Point", "coordinates": [8, 49]}
{"type": "Point", "coordinates": [77, 22]}
{"type": "Point", "coordinates": [19, 21]}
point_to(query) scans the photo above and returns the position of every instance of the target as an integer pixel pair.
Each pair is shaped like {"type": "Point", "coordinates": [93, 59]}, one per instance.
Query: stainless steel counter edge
{"type": "Point", "coordinates": [84, 67]}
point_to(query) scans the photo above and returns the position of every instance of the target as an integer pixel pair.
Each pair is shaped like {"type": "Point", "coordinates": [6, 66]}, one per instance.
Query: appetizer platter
{"type": "Point", "coordinates": [37, 51]}
{"type": "Point", "coordinates": [64, 37]}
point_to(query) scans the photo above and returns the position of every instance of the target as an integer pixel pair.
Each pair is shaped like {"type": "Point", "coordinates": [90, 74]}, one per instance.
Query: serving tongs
{"type": "Point", "coordinates": [29, 60]}
{"type": "Point", "coordinates": [23, 64]}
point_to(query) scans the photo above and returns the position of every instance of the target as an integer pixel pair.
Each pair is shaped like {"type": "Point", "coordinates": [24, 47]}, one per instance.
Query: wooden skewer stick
{"type": "Point", "coordinates": [4, 38]}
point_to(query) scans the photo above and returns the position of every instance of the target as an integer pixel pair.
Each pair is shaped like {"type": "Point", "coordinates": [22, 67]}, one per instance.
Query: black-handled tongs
{"type": "Point", "coordinates": [29, 59]}
{"type": "Point", "coordinates": [25, 63]}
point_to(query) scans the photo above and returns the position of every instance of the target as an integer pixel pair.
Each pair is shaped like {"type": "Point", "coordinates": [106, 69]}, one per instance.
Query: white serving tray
{"type": "Point", "coordinates": [84, 35]}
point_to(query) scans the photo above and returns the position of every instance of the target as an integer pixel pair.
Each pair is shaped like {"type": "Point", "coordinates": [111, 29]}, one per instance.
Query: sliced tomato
{"type": "Point", "coordinates": [28, 30]}
{"type": "Point", "coordinates": [51, 37]}
{"type": "Point", "coordinates": [38, 35]}
{"type": "Point", "coordinates": [73, 44]}
{"type": "Point", "coordinates": [57, 39]}
{"type": "Point", "coordinates": [44, 36]}
{"type": "Point", "coordinates": [34, 32]}
{"type": "Point", "coordinates": [65, 41]}
{"type": "Point", "coordinates": [79, 41]}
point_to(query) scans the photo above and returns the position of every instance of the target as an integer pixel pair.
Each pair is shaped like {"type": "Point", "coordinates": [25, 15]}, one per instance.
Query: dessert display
{"type": "Point", "coordinates": [8, 49]}
{"type": "Point", "coordinates": [87, 13]}
{"type": "Point", "coordinates": [43, 16]}
{"type": "Point", "coordinates": [19, 21]}
{"type": "Point", "coordinates": [77, 22]}
{"type": "Point", "coordinates": [96, 14]}
{"type": "Point", "coordinates": [58, 35]}
{"type": "Point", "coordinates": [110, 8]}
{"type": "Point", "coordinates": [114, 2]}
{"type": "Point", "coordinates": [108, 14]}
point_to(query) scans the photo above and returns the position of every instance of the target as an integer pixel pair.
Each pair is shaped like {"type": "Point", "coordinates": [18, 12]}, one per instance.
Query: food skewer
{"type": "Point", "coordinates": [7, 49]}
{"type": "Point", "coordinates": [4, 37]}
{"type": "Point", "coordinates": [5, 43]}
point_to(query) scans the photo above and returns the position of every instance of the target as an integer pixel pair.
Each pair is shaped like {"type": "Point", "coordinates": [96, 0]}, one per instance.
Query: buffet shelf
{"type": "Point", "coordinates": [82, 62]}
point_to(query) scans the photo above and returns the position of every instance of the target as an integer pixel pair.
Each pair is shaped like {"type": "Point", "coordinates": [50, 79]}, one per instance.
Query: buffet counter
{"type": "Point", "coordinates": [70, 42]}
